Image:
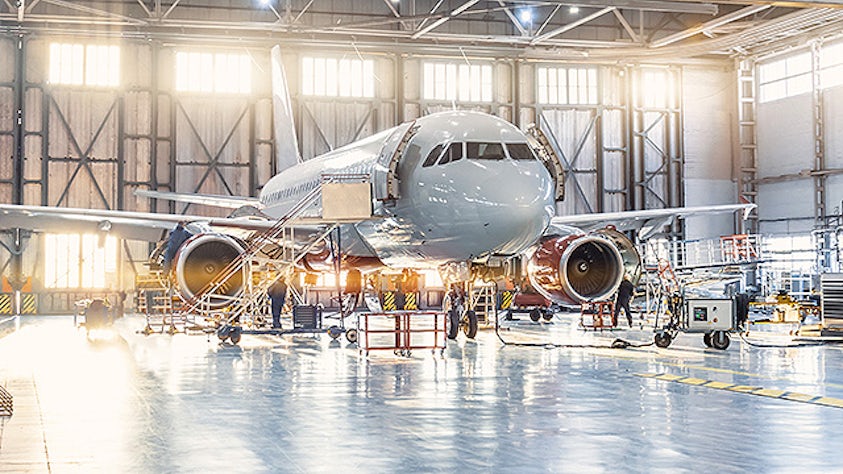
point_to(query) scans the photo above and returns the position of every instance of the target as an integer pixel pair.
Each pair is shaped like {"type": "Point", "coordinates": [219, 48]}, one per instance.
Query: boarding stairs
{"type": "Point", "coordinates": [277, 246]}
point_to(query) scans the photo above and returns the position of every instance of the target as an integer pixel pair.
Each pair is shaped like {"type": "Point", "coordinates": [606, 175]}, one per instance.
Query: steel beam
{"type": "Point", "coordinates": [570, 26]}
{"type": "Point", "coordinates": [709, 25]}
{"type": "Point", "coordinates": [456, 12]}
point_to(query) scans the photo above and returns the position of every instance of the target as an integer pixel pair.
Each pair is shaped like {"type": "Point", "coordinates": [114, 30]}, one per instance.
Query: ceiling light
{"type": "Point", "coordinates": [526, 15]}
{"type": "Point", "coordinates": [574, 10]}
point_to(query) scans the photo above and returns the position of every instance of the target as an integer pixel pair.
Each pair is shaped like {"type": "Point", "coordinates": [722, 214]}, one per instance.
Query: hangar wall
{"type": "Point", "coordinates": [626, 151]}
{"type": "Point", "coordinates": [789, 154]}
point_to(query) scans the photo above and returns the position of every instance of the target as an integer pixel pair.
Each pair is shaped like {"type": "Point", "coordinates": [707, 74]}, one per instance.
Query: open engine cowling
{"type": "Point", "coordinates": [577, 267]}
{"type": "Point", "coordinates": [202, 258]}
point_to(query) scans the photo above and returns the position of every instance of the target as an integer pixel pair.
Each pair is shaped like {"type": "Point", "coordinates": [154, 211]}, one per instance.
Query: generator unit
{"type": "Point", "coordinates": [704, 315]}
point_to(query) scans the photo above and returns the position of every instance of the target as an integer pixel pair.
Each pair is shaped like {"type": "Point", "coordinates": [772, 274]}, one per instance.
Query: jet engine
{"type": "Point", "coordinates": [200, 260]}
{"type": "Point", "coordinates": [575, 267]}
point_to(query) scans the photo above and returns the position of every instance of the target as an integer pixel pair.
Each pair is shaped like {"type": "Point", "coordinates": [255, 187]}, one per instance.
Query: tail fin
{"type": "Point", "coordinates": [286, 144]}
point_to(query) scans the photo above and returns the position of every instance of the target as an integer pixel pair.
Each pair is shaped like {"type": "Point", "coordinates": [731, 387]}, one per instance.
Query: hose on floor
{"type": "Point", "coordinates": [616, 344]}
{"type": "Point", "coordinates": [781, 346]}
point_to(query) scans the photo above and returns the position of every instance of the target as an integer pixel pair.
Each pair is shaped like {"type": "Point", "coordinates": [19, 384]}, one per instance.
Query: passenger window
{"type": "Point", "coordinates": [433, 156]}
{"type": "Point", "coordinates": [520, 151]}
{"type": "Point", "coordinates": [484, 151]}
{"type": "Point", "coordinates": [453, 153]}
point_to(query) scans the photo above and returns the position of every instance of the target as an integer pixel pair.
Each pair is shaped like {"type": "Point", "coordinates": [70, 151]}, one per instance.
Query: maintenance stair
{"type": "Point", "coordinates": [282, 247]}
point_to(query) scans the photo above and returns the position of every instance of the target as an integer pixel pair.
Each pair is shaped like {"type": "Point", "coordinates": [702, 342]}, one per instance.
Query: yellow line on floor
{"type": "Point", "coordinates": [760, 391]}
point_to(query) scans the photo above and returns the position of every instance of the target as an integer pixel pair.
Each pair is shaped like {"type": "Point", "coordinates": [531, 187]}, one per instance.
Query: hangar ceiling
{"type": "Point", "coordinates": [581, 29]}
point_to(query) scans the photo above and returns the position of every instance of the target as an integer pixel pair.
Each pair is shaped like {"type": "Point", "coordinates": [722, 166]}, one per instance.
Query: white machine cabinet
{"type": "Point", "coordinates": [704, 315]}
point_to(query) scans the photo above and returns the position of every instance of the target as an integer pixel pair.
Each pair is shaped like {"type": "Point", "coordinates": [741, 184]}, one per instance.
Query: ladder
{"type": "Point", "coordinates": [279, 244]}
{"type": "Point", "coordinates": [483, 303]}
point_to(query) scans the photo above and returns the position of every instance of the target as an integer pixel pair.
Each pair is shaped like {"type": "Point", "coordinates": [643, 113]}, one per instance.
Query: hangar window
{"type": "Point", "coordinates": [331, 77]}
{"type": "Point", "coordinates": [226, 73]}
{"type": "Point", "coordinates": [462, 82]}
{"type": "Point", "coordinates": [91, 65]}
{"type": "Point", "coordinates": [784, 77]}
{"type": "Point", "coordinates": [567, 85]}
{"type": "Point", "coordinates": [831, 65]}
{"type": "Point", "coordinates": [79, 261]}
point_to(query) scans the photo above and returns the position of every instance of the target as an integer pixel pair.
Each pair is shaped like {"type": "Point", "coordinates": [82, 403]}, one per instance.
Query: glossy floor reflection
{"type": "Point", "coordinates": [182, 403]}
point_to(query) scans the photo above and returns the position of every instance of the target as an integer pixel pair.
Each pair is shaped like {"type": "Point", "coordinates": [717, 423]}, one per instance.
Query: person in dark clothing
{"type": "Point", "coordinates": [177, 237]}
{"type": "Point", "coordinates": [622, 301]}
{"type": "Point", "coordinates": [277, 294]}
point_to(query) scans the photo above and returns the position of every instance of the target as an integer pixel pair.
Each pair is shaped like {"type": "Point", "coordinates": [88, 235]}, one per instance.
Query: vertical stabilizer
{"type": "Point", "coordinates": [286, 143]}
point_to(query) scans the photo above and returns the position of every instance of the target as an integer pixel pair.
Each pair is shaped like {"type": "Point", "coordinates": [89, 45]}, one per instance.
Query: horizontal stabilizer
{"type": "Point", "coordinates": [228, 202]}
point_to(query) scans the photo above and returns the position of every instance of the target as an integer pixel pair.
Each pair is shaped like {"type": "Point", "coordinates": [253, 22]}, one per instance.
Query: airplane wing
{"type": "Point", "coordinates": [146, 226]}
{"type": "Point", "coordinates": [228, 202]}
{"type": "Point", "coordinates": [647, 222]}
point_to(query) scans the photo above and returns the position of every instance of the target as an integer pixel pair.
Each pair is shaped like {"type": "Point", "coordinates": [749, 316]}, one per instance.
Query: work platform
{"type": "Point", "coordinates": [306, 404]}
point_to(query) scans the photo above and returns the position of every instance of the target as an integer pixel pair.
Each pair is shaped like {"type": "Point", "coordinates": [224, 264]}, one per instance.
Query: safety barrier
{"type": "Point", "coordinates": [401, 331]}
{"type": "Point", "coordinates": [598, 315]}
{"type": "Point", "coordinates": [7, 404]}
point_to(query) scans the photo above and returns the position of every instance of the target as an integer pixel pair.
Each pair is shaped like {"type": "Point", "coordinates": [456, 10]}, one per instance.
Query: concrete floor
{"type": "Point", "coordinates": [299, 404]}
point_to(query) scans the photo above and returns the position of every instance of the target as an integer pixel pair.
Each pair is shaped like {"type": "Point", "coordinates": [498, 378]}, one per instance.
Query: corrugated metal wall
{"type": "Point", "coordinates": [787, 155]}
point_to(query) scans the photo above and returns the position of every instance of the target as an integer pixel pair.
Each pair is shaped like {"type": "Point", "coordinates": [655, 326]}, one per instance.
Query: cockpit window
{"type": "Point", "coordinates": [433, 156]}
{"type": "Point", "coordinates": [520, 151]}
{"type": "Point", "coordinates": [453, 153]}
{"type": "Point", "coordinates": [484, 151]}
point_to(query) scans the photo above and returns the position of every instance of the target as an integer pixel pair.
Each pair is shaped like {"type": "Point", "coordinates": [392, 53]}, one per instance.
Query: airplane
{"type": "Point", "coordinates": [455, 191]}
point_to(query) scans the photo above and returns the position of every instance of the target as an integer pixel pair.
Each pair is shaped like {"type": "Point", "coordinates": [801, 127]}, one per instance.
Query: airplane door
{"type": "Point", "coordinates": [386, 177]}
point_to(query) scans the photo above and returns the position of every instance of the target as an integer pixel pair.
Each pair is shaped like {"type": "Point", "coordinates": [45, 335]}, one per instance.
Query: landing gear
{"type": "Point", "coordinates": [707, 339]}
{"type": "Point", "coordinates": [547, 315]}
{"type": "Point", "coordinates": [663, 339]}
{"type": "Point", "coordinates": [535, 314]}
{"type": "Point", "coordinates": [470, 324]}
{"type": "Point", "coordinates": [453, 323]}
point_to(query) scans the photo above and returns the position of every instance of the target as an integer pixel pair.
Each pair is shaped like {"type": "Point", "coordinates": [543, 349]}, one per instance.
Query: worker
{"type": "Point", "coordinates": [623, 298]}
{"type": "Point", "coordinates": [277, 294]}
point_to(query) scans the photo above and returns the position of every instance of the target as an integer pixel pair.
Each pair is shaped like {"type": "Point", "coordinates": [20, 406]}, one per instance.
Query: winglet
{"type": "Point", "coordinates": [286, 143]}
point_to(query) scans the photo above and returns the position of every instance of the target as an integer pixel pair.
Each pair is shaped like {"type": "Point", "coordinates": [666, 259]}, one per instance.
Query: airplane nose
{"type": "Point", "coordinates": [516, 203]}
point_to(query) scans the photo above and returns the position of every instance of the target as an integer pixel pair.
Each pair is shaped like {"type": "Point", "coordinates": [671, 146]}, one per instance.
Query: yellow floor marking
{"type": "Point", "coordinates": [830, 402]}
{"type": "Point", "coordinates": [693, 381]}
{"type": "Point", "coordinates": [769, 392]}
{"type": "Point", "coordinates": [760, 391]}
{"type": "Point", "coordinates": [799, 397]}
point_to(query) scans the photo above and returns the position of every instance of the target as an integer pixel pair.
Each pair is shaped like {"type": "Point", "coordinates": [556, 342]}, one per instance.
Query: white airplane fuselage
{"type": "Point", "coordinates": [492, 197]}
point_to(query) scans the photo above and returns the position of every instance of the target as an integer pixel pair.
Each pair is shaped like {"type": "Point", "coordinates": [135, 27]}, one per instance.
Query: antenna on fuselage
{"type": "Point", "coordinates": [286, 142]}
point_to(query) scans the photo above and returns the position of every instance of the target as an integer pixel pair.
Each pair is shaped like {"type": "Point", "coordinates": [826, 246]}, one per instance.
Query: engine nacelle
{"type": "Point", "coordinates": [575, 268]}
{"type": "Point", "coordinates": [202, 258]}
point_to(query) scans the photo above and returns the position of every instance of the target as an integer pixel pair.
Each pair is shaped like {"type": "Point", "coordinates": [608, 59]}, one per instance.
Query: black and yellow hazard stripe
{"type": "Point", "coordinates": [388, 302]}
{"type": "Point", "coordinates": [411, 301]}
{"type": "Point", "coordinates": [748, 389]}
{"type": "Point", "coordinates": [506, 299]}
{"type": "Point", "coordinates": [5, 303]}
{"type": "Point", "coordinates": [28, 304]}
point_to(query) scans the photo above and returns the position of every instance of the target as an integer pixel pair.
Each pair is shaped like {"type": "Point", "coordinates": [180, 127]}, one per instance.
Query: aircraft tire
{"type": "Point", "coordinates": [351, 335]}
{"type": "Point", "coordinates": [707, 339]}
{"type": "Point", "coordinates": [535, 314]}
{"type": "Point", "coordinates": [453, 323]}
{"type": "Point", "coordinates": [471, 327]}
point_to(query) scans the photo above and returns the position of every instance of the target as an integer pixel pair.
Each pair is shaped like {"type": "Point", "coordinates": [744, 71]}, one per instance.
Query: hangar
{"type": "Point", "coordinates": [444, 199]}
